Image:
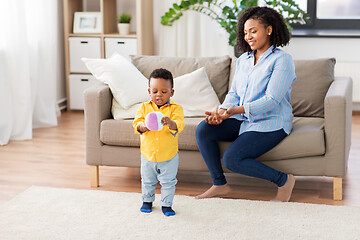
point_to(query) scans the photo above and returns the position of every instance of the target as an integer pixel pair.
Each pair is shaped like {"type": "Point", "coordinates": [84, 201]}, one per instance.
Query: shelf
{"type": "Point", "coordinates": [139, 42]}
{"type": "Point", "coordinates": [117, 35]}
{"type": "Point", "coordinates": [84, 35]}
{"type": "Point", "coordinates": [110, 35]}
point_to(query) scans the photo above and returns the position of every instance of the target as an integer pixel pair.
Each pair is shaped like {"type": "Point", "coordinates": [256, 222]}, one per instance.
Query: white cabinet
{"type": "Point", "coordinates": [78, 83]}
{"type": "Point", "coordinates": [83, 47]}
{"type": "Point", "coordinates": [123, 46]}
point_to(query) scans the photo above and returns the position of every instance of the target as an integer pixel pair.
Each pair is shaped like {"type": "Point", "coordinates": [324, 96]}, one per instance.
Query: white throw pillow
{"type": "Point", "coordinates": [119, 112]}
{"type": "Point", "coordinates": [193, 91]}
{"type": "Point", "coordinates": [126, 82]}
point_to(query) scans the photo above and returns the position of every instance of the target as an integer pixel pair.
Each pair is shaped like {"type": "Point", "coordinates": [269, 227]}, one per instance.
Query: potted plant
{"type": "Point", "coordinates": [124, 23]}
{"type": "Point", "coordinates": [227, 16]}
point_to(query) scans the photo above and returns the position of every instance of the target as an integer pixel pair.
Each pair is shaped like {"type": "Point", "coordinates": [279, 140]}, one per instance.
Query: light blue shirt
{"type": "Point", "coordinates": [264, 91]}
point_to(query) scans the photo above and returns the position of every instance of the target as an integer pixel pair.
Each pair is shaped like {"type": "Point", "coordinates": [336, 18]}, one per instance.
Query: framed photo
{"type": "Point", "coordinates": [87, 22]}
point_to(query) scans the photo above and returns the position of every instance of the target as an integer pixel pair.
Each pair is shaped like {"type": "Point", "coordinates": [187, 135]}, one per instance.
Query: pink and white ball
{"type": "Point", "coordinates": [153, 121]}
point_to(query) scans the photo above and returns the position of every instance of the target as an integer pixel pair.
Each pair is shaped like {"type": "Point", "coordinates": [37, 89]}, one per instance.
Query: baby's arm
{"type": "Point", "coordinates": [170, 123]}
{"type": "Point", "coordinates": [139, 121]}
{"type": "Point", "coordinates": [177, 116]}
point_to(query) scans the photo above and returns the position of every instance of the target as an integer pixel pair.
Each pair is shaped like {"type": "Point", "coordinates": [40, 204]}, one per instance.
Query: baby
{"type": "Point", "coordinates": [159, 149]}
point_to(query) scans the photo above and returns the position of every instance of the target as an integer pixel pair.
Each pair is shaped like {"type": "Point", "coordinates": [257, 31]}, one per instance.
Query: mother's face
{"type": "Point", "coordinates": [257, 35]}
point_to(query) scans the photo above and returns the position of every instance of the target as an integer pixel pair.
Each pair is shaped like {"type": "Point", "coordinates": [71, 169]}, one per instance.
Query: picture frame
{"type": "Point", "coordinates": [87, 22]}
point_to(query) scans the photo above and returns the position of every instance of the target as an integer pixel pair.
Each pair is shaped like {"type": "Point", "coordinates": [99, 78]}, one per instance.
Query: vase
{"type": "Point", "coordinates": [124, 28]}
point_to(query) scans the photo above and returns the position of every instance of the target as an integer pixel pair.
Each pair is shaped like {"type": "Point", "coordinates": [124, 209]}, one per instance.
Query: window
{"type": "Point", "coordinates": [331, 14]}
{"type": "Point", "coordinates": [344, 9]}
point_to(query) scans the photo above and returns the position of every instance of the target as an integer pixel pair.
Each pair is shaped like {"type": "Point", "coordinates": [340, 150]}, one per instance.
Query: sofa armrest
{"type": "Point", "coordinates": [97, 102]}
{"type": "Point", "coordinates": [338, 117]}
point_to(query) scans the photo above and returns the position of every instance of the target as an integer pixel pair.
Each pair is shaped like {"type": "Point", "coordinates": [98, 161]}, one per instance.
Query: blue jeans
{"type": "Point", "coordinates": [241, 156]}
{"type": "Point", "coordinates": [165, 172]}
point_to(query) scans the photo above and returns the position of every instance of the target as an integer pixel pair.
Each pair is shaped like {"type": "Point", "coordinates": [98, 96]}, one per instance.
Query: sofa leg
{"type": "Point", "coordinates": [337, 188]}
{"type": "Point", "coordinates": [94, 176]}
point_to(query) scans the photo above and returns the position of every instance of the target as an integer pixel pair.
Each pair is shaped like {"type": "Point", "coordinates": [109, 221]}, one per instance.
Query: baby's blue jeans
{"type": "Point", "coordinates": [163, 172]}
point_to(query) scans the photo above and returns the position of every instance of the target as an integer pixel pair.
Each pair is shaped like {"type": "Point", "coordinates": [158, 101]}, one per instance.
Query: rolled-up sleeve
{"type": "Point", "coordinates": [178, 117]}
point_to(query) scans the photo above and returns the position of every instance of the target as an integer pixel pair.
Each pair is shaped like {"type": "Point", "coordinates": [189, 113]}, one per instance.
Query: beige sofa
{"type": "Point", "coordinates": [318, 145]}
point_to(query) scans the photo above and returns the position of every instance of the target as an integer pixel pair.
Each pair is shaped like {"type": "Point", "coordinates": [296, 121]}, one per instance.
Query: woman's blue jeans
{"type": "Point", "coordinates": [241, 156]}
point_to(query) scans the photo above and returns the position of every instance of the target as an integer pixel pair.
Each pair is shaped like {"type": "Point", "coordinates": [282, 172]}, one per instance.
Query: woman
{"type": "Point", "coordinates": [256, 114]}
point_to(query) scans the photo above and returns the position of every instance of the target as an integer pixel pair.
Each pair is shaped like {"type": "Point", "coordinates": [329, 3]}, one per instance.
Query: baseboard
{"type": "Point", "coordinates": [62, 104]}
{"type": "Point", "coordinates": [356, 106]}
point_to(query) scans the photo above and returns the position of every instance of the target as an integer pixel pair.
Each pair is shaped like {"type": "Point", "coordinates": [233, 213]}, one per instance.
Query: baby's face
{"type": "Point", "coordinates": [160, 91]}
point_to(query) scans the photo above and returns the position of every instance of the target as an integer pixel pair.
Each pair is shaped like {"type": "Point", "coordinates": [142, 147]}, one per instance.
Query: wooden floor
{"type": "Point", "coordinates": [56, 157]}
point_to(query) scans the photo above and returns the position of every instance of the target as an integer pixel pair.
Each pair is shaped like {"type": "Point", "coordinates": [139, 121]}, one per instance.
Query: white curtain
{"type": "Point", "coordinates": [28, 67]}
{"type": "Point", "coordinates": [193, 35]}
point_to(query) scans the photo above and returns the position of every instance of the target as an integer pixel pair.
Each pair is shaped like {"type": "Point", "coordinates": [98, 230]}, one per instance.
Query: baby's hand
{"type": "Point", "coordinates": [170, 123]}
{"type": "Point", "coordinates": [142, 128]}
{"type": "Point", "coordinates": [165, 120]}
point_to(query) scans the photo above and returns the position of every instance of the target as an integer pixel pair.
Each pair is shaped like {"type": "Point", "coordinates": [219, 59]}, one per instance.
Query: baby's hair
{"type": "Point", "coordinates": [280, 35]}
{"type": "Point", "coordinates": [162, 73]}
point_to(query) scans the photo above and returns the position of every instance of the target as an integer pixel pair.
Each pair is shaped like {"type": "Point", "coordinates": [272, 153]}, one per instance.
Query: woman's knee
{"type": "Point", "coordinates": [232, 160]}
{"type": "Point", "coordinates": [201, 129]}
{"type": "Point", "coordinates": [228, 160]}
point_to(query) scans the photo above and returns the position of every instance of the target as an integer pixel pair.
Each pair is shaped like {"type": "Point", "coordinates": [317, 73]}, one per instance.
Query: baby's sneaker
{"type": "Point", "coordinates": [168, 211]}
{"type": "Point", "coordinates": [146, 207]}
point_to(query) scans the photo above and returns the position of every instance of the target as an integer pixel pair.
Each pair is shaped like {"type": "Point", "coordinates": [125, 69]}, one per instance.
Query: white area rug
{"type": "Point", "coordinates": [56, 213]}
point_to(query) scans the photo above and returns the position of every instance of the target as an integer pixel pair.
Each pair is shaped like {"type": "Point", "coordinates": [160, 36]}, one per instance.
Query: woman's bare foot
{"type": "Point", "coordinates": [215, 191]}
{"type": "Point", "coordinates": [284, 192]}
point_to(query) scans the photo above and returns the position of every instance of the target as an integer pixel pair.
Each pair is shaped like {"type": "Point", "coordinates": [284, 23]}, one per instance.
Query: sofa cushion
{"type": "Point", "coordinates": [313, 79]}
{"type": "Point", "coordinates": [306, 138]}
{"type": "Point", "coordinates": [121, 133]}
{"type": "Point", "coordinates": [195, 87]}
{"type": "Point", "coordinates": [217, 68]}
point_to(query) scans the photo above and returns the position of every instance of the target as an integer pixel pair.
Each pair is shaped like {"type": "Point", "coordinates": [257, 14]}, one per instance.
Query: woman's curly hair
{"type": "Point", "coordinates": [280, 35]}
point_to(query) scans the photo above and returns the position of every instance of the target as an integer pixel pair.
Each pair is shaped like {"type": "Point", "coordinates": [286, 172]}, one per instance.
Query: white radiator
{"type": "Point", "coordinates": [350, 69]}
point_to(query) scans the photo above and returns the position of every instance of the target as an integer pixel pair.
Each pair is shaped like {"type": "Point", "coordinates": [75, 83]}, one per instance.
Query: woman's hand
{"type": "Point", "coordinates": [216, 117]}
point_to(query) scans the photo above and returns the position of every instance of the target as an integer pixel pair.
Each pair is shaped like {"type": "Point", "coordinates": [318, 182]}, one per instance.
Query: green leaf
{"type": "Point", "coordinates": [164, 20]}
{"type": "Point", "coordinates": [184, 4]}
{"type": "Point", "coordinates": [223, 24]}
{"type": "Point", "coordinates": [176, 7]}
{"type": "Point", "coordinates": [168, 14]}
{"type": "Point", "coordinates": [232, 39]}
{"type": "Point", "coordinates": [172, 11]}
